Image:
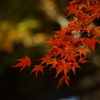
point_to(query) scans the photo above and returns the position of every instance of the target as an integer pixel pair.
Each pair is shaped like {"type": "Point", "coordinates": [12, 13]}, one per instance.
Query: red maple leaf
{"type": "Point", "coordinates": [89, 28]}
{"type": "Point", "coordinates": [24, 62]}
{"type": "Point", "coordinates": [96, 31]}
{"type": "Point", "coordinates": [47, 59]}
{"type": "Point", "coordinates": [59, 70]}
{"type": "Point", "coordinates": [83, 51]}
{"type": "Point", "coordinates": [63, 79]}
{"type": "Point", "coordinates": [82, 60]}
{"type": "Point", "coordinates": [37, 69]}
{"type": "Point", "coordinates": [91, 42]}
{"type": "Point", "coordinates": [74, 66]}
{"type": "Point", "coordinates": [61, 66]}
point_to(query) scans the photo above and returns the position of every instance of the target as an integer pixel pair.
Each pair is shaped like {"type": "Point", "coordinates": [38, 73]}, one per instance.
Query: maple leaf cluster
{"type": "Point", "coordinates": [66, 51]}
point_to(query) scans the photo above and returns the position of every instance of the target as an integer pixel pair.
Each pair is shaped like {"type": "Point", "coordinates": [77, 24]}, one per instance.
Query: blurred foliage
{"type": "Point", "coordinates": [25, 22]}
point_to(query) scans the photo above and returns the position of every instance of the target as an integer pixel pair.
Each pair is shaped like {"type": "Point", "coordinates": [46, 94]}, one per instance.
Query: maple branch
{"type": "Point", "coordinates": [54, 12]}
{"type": "Point", "coordinates": [52, 9]}
{"type": "Point", "coordinates": [69, 45]}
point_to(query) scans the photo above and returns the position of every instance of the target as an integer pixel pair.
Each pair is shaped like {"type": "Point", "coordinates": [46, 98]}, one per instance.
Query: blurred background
{"type": "Point", "coordinates": [24, 27]}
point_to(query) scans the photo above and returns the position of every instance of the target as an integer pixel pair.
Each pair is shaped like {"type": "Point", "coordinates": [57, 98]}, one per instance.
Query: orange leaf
{"type": "Point", "coordinates": [91, 42]}
{"type": "Point", "coordinates": [83, 51]}
{"type": "Point", "coordinates": [59, 70]}
{"type": "Point", "coordinates": [74, 66]}
{"type": "Point", "coordinates": [97, 31]}
{"type": "Point", "coordinates": [63, 79]}
{"type": "Point", "coordinates": [47, 59]}
{"type": "Point", "coordinates": [24, 62]}
{"type": "Point", "coordinates": [82, 60]}
{"type": "Point", "coordinates": [89, 28]}
{"type": "Point", "coordinates": [37, 69]}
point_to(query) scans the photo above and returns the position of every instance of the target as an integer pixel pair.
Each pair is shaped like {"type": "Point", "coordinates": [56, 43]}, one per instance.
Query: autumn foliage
{"type": "Point", "coordinates": [67, 51]}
